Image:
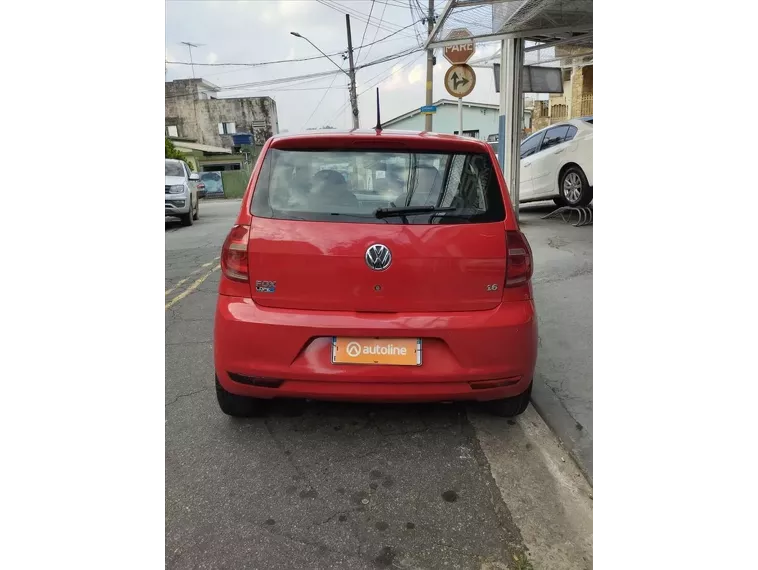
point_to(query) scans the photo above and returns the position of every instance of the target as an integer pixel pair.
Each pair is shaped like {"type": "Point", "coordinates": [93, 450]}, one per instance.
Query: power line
{"type": "Point", "coordinates": [280, 80]}
{"type": "Point", "coordinates": [391, 72]}
{"type": "Point", "coordinates": [376, 31]}
{"type": "Point", "coordinates": [256, 64]}
{"type": "Point", "coordinates": [384, 59]}
{"type": "Point", "coordinates": [365, 28]}
{"type": "Point", "coordinates": [360, 16]}
{"type": "Point", "coordinates": [321, 74]}
{"type": "Point", "coordinates": [417, 13]}
{"type": "Point", "coordinates": [269, 82]}
{"type": "Point", "coordinates": [305, 125]}
{"type": "Point", "coordinates": [393, 3]}
{"type": "Point", "coordinates": [390, 57]}
{"type": "Point", "coordinates": [387, 36]}
{"type": "Point", "coordinates": [262, 63]}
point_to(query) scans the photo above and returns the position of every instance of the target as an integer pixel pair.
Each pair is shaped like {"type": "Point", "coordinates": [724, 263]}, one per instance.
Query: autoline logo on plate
{"type": "Point", "coordinates": [354, 349]}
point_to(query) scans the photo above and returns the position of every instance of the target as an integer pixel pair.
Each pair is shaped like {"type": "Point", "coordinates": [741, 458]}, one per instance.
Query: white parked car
{"type": "Point", "coordinates": [556, 163]}
{"type": "Point", "coordinates": [182, 187]}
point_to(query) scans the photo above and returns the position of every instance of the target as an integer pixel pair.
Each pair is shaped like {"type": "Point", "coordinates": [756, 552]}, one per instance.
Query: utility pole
{"type": "Point", "coordinates": [429, 67]}
{"type": "Point", "coordinates": [353, 96]}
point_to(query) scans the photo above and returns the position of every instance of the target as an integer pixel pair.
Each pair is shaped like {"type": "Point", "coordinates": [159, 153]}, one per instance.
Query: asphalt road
{"type": "Point", "coordinates": [563, 296]}
{"type": "Point", "coordinates": [322, 485]}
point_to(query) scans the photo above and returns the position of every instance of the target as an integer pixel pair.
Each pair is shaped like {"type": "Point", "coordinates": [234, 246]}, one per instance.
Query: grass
{"type": "Point", "coordinates": [235, 183]}
{"type": "Point", "coordinates": [521, 562]}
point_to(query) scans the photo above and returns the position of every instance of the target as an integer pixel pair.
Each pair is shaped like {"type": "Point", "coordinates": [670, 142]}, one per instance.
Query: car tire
{"type": "Point", "coordinates": [511, 407]}
{"type": "Point", "coordinates": [574, 189]}
{"type": "Point", "coordinates": [560, 202]}
{"type": "Point", "coordinates": [197, 211]}
{"type": "Point", "coordinates": [187, 218]}
{"type": "Point", "coordinates": [239, 406]}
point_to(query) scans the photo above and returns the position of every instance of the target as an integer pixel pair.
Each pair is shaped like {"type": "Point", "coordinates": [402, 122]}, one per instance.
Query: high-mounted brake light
{"type": "Point", "coordinates": [518, 269]}
{"type": "Point", "coordinates": [234, 254]}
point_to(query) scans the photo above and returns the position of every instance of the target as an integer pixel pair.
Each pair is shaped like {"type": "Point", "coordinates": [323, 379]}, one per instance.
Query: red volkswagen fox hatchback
{"type": "Point", "coordinates": [375, 266]}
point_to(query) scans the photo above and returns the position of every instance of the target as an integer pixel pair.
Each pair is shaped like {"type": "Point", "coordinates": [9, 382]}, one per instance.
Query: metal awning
{"type": "Point", "coordinates": [559, 29]}
{"type": "Point", "coordinates": [543, 21]}
{"type": "Point", "coordinates": [202, 148]}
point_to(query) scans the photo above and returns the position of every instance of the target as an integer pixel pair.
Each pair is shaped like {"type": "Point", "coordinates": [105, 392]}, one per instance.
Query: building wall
{"type": "Point", "coordinates": [219, 159]}
{"type": "Point", "coordinates": [192, 159]}
{"type": "Point", "coordinates": [198, 118]}
{"type": "Point", "coordinates": [446, 121]}
{"type": "Point", "coordinates": [581, 92]}
{"type": "Point", "coordinates": [576, 100]}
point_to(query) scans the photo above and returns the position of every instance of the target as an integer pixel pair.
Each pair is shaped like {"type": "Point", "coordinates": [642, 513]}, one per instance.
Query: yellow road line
{"type": "Point", "coordinates": [191, 288]}
{"type": "Point", "coordinates": [180, 283]}
{"type": "Point", "coordinates": [175, 287]}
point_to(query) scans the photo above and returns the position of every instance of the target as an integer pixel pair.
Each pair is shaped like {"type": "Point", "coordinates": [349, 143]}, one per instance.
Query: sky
{"type": "Point", "coordinates": [230, 31]}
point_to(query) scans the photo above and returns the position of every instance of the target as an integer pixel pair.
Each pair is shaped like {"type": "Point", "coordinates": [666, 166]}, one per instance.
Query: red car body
{"type": "Point", "coordinates": [464, 290]}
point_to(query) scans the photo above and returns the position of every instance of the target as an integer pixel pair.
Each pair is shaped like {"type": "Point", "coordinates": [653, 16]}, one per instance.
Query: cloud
{"type": "Point", "coordinates": [291, 8]}
{"type": "Point", "coordinates": [259, 31]}
{"type": "Point", "coordinates": [283, 12]}
{"type": "Point", "coordinates": [416, 74]}
{"type": "Point", "coordinates": [394, 81]}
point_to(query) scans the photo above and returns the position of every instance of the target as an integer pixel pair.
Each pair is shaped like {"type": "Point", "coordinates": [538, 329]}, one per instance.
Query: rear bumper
{"type": "Point", "coordinates": [477, 355]}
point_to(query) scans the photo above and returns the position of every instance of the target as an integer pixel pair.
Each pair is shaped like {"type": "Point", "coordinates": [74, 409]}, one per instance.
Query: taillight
{"type": "Point", "coordinates": [200, 186]}
{"type": "Point", "coordinates": [518, 269]}
{"type": "Point", "coordinates": [234, 254]}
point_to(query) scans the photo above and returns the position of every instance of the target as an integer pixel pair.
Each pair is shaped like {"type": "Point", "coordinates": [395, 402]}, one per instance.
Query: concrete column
{"type": "Point", "coordinates": [511, 115]}
{"type": "Point", "coordinates": [503, 110]}
{"type": "Point", "coordinates": [576, 89]}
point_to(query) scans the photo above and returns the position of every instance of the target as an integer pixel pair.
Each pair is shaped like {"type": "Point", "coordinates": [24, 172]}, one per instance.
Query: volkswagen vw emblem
{"type": "Point", "coordinates": [378, 257]}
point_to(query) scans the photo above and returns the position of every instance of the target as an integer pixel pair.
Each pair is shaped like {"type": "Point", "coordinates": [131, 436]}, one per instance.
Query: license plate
{"type": "Point", "coordinates": [392, 351]}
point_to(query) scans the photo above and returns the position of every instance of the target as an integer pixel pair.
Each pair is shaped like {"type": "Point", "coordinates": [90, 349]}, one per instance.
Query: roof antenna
{"type": "Point", "coordinates": [378, 126]}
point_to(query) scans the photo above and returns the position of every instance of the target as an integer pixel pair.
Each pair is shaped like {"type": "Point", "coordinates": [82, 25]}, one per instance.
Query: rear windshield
{"type": "Point", "coordinates": [349, 186]}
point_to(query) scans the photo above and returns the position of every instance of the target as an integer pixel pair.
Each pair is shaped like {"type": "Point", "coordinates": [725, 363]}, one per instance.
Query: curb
{"type": "Point", "coordinates": [577, 442]}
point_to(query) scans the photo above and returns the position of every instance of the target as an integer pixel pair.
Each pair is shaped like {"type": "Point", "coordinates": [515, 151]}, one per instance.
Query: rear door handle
{"type": "Point", "coordinates": [559, 151]}
{"type": "Point", "coordinates": [527, 165]}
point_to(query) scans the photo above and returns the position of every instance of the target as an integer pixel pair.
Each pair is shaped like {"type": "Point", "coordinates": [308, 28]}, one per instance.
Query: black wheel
{"type": "Point", "coordinates": [511, 407]}
{"type": "Point", "coordinates": [187, 218]}
{"type": "Point", "coordinates": [238, 406]}
{"type": "Point", "coordinates": [574, 188]}
{"type": "Point", "coordinates": [197, 211]}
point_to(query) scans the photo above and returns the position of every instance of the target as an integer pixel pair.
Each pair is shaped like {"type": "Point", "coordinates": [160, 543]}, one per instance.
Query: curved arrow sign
{"type": "Point", "coordinates": [460, 80]}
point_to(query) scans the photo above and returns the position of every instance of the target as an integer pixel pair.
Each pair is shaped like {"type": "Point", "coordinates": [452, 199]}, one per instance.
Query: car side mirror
{"type": "Point", "coordinates": [194, 176]}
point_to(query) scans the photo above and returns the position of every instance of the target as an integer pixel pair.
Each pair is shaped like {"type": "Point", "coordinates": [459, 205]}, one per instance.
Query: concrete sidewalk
{"type": "Point", "coordinates": [563, 295]}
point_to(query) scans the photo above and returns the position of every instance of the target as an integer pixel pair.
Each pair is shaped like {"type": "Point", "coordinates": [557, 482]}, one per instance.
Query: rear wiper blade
{"type": "Point", "coordinates": [409, 210]}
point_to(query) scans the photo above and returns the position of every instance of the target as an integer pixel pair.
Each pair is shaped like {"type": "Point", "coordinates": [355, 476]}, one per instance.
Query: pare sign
{"type": "Point", "coordinates": [459, 53]}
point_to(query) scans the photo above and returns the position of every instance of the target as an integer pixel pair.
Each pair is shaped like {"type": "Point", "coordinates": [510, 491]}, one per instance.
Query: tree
{"type": "Point", "coordinates": [172, 152]}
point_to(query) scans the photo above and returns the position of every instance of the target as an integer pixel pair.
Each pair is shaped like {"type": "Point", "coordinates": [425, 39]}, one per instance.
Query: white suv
{"type": "Point", "coordinates": [182, 192]}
